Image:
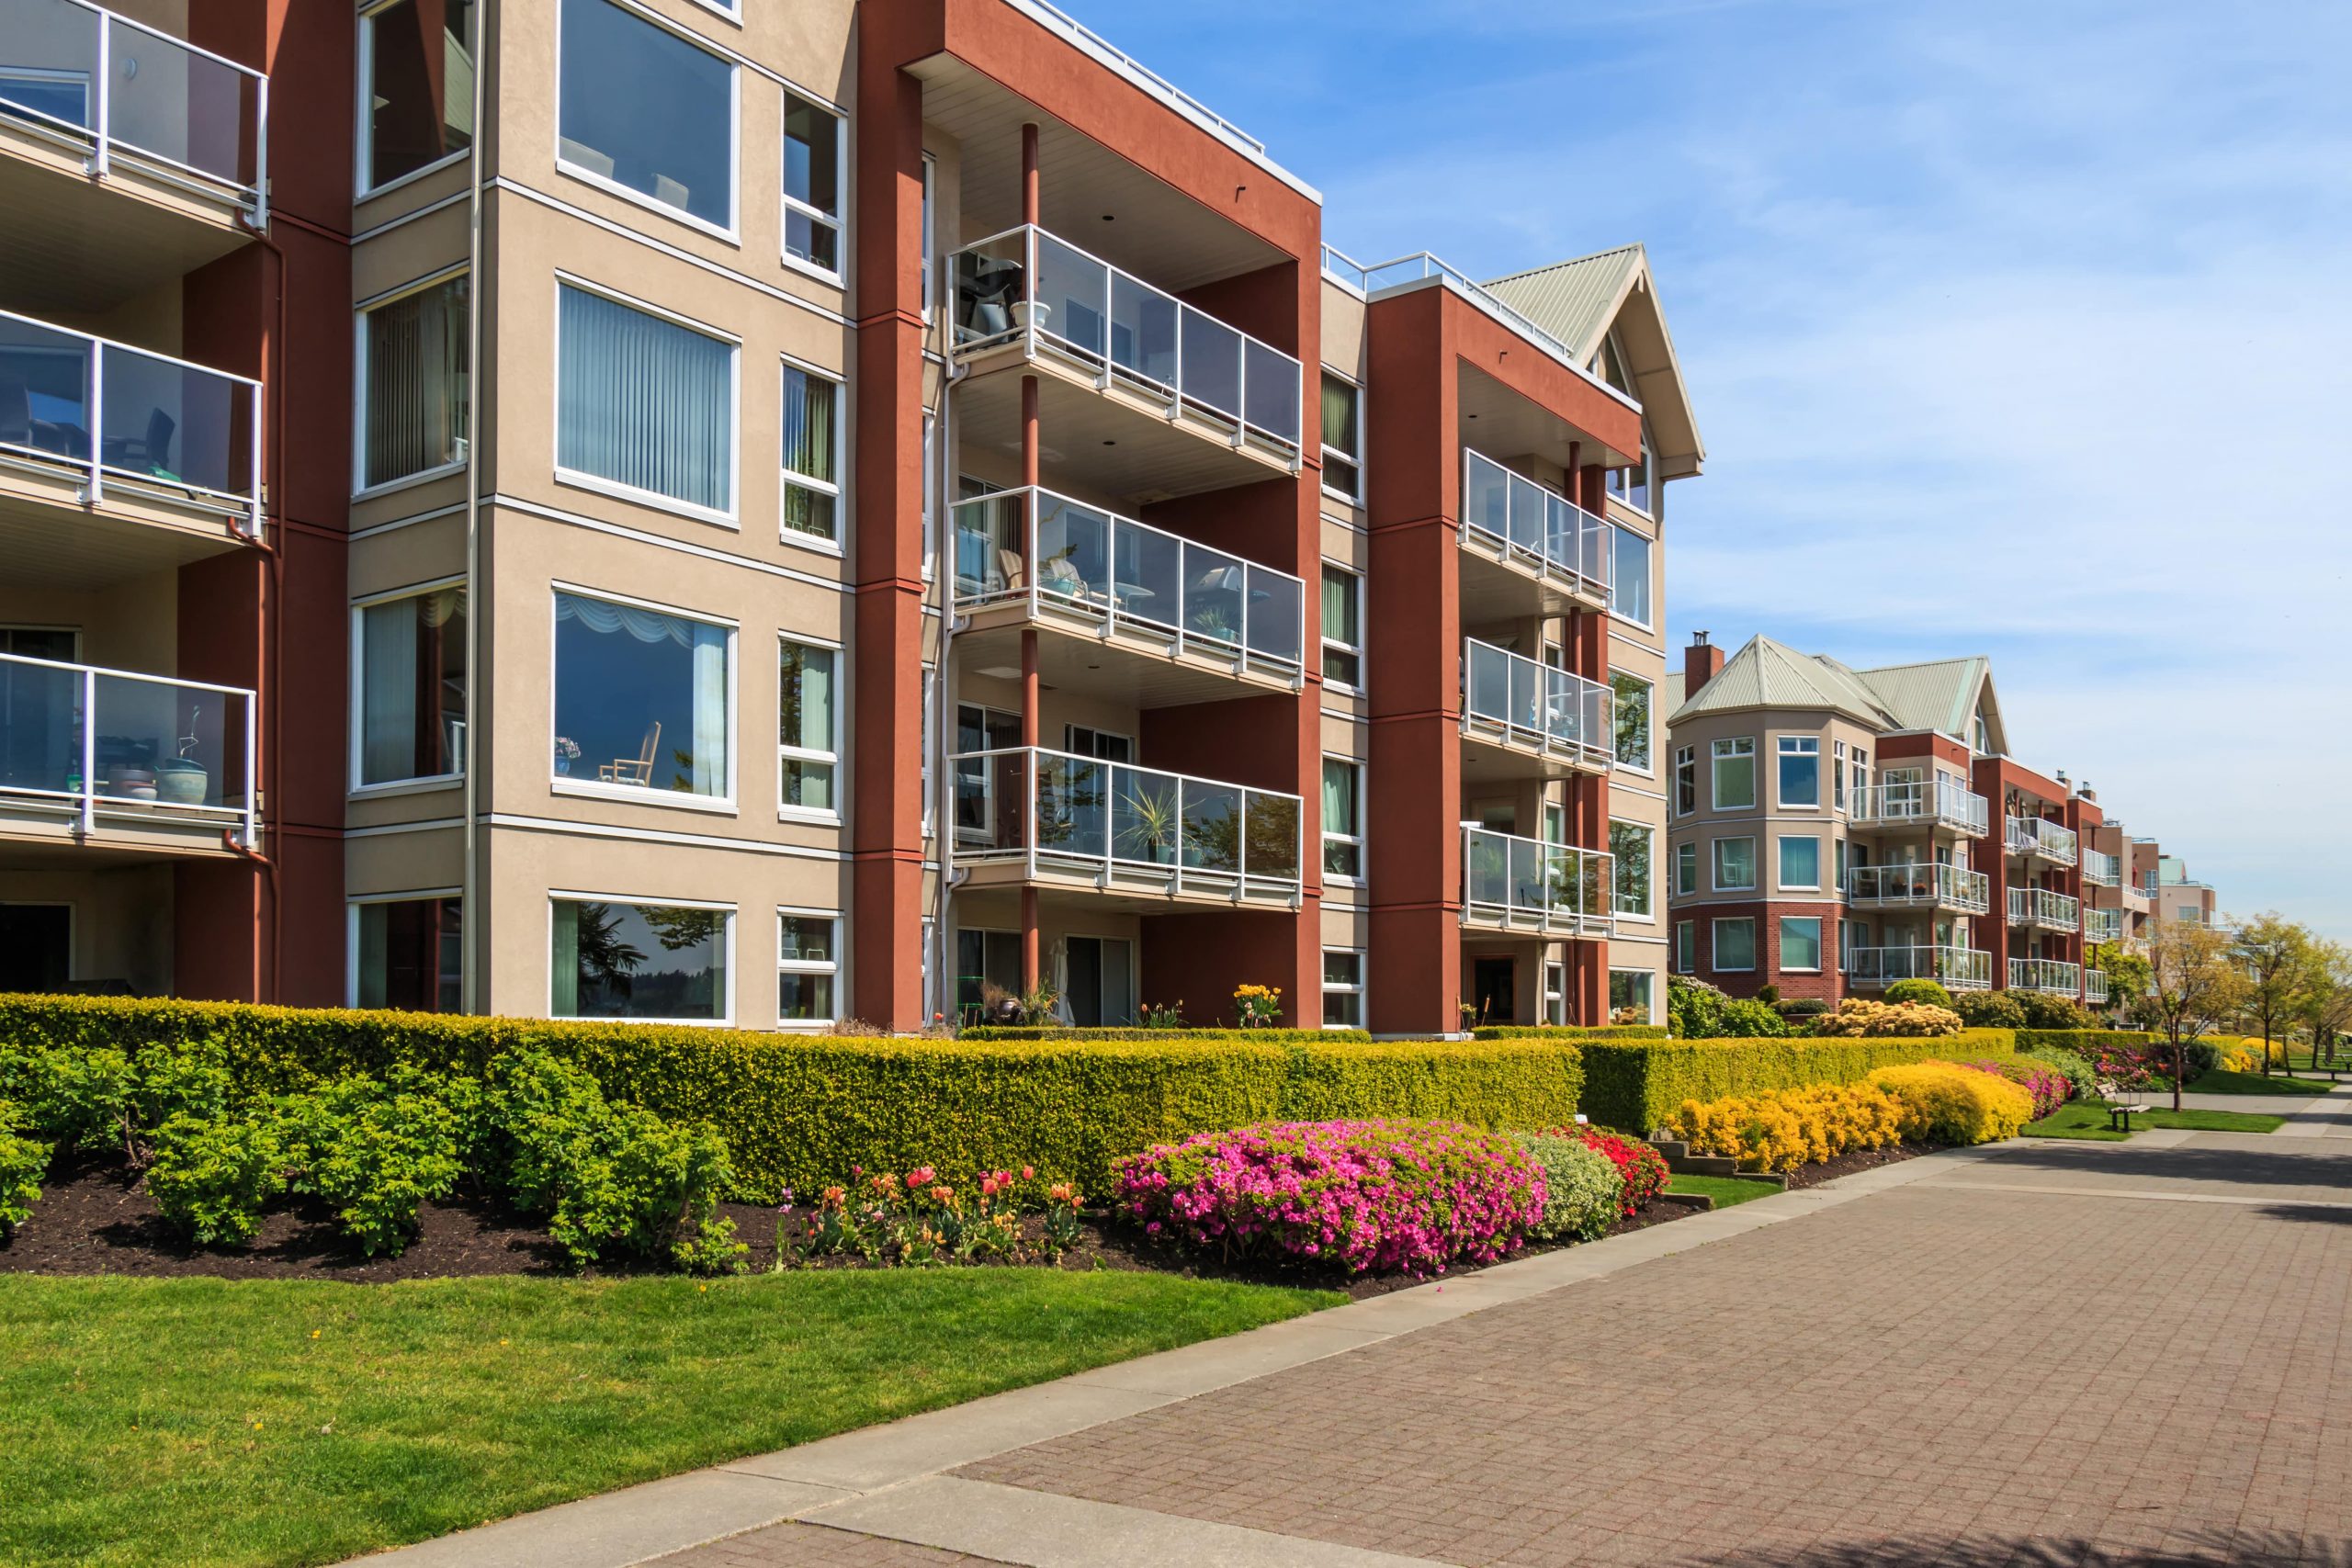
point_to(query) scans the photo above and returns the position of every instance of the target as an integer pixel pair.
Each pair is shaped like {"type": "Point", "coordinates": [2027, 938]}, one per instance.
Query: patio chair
{"type": "Point", "coordinates": [637, 770]}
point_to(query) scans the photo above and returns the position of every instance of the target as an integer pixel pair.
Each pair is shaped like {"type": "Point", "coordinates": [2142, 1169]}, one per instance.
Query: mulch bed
{"type": "Point", "coordinates": [1853, 1160]}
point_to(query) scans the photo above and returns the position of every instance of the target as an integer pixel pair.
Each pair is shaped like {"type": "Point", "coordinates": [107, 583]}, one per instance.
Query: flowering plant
{"type": "Point", "coordinates": [1642, 1168]}
{"type": "Point", "coordinates": [1260, 1006]}
{"type": "Point", "coordinates": [1791, 1127]}
{"type": "Point", "coordinates": [1403, 1195]}
{"type": "Point", "coordinates": [2046, 1084]}
{"type": "Point", "coordinates": [1860, 1016]}
{"type": "Point", "coordinates": [567, 748]}
{"type": "Point", "coordinates": [919, 1218]}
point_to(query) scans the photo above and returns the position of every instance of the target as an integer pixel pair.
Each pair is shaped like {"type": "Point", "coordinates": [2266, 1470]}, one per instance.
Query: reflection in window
{"type": "Point", "coordinates": [1342, 449]}
{"type": "Point", "coordinates": [642, 108]}
{"type": "Point", "coordinates": [644, 402]}
{"type": "Point", "coordinates": [1342, 641]}
{"type": "Point", "coordinates": [413, 687]}
{"type": "Point", "coordinates": [808, 963]}
{"type": "Point", "coordinates": [811, 455]}
{"type": "Point", "coordinates": [812, 185]}
{"type": "Point", "coordinates": [1629, 993]}
{"type": "Point", "coordinates": [1629, 580]}
{"type": "Point", "coordinates": [1629, 842]}
{"type": "Point", "coordinates": [420, 56]}
{"type": "Point", "coordinates": [1633, 719]}
{"type": "Point", "coordinates": [1343, 819]}
{"type": "Point", "coordinates": [1800, 770]}
{"type": "Point", "coordinates": [643, 961]}
{"type": "Point", "coordinates": [1734, 864]}
{"type": "Point", "coordinates": [641, 698]}
{"type": "Point", "coordinates": [1342, 987]}
{"type": "Point", "coordinates": [411, 953]}
{"type": "Point", "coordinates": [808, 704]}
{"type": "Point", "coordinates": [412, 382]}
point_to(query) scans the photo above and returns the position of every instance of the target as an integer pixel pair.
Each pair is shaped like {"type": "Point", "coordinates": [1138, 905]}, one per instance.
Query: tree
{"type": "Point", "coordinates": [2327, 1004]}
{"type": "Point", "coordinates": [2127, 975]}
{"type": "Point", "coordinates": [2276, 956]}
{"type": "Point", "coordinates": [2194, 982]}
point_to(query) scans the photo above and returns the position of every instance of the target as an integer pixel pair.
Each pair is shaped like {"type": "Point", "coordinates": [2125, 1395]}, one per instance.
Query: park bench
{"type": "Point", "coordinates": [2122, 1106]}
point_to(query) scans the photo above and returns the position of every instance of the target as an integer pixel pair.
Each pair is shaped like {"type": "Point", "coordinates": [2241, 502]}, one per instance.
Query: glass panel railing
{"type": "Point", "coordinates": [2047, 975]}
{"type": "Point", "coordinates": [2094, 987]}
{"type": "Point", "coordinates": [2101, 869]}
{"type": "Point", "coordinates": [1931, 883]}
{"type": "Point", "coordinates": [2102, 925]}
{"type": "Point", "coordinates": [2038, 836]}
{"type": "Point", "coordinates": [1959, 968]}
{"type": "Point", "coordinates": [1520, 881]}
{"type": "Point", "coordinates": [1536, 528]}
{"type": "Point", "coordinates": [1939, 802]}
{"type": "Point", "coordinates": [2040, 907]}
{"type": "Point", "coordinates": [1515, 701]}
{"type": "Point", "coordinates": [113, 744]}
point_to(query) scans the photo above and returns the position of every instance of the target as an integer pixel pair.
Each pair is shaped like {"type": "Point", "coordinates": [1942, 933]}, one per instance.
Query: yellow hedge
{"type": "Point", "coordinates": [1634, 1085]}
{"type": "Point", "coordinates": [1945, 1104]}
{"type": "Point", "coordinates": [1793, 1127]}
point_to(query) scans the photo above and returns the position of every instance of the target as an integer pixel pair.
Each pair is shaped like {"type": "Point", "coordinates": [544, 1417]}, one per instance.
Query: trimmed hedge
{"type": "Point", "coordinates": [1637, 1086]}
{"type": "Point", "coordinates": [1071, 1034]}
{"type": "Point", "coordinates": [798, 1111]}
{"type": "Point", "coordinates": [1570, 1031]}
{"type": "Point", "coordinates": [2077, 1039]}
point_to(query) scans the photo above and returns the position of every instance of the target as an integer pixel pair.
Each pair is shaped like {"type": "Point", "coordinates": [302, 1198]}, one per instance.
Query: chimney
{"type": "Point", "coordinates": [1701, 662]}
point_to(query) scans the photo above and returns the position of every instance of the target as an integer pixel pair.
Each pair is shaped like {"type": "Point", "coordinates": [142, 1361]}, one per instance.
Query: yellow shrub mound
{"type": "Point", "coordinates": [1859, 1016]}
{"type": "Point", "coordinates": [1790, 1128]}
{"type": "Point", "coordinates": [1940, 1103]}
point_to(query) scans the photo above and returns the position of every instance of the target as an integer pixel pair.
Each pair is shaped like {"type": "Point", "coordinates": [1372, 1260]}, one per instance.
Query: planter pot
{"type": "Point", "coordinates": [1027, 313]}
{"type": "Point", "coordinates": [563, 765]}
{"type": "Point", "coordinates": [130, 783]}
{"type": "Point", "coordinates": [181, 782]}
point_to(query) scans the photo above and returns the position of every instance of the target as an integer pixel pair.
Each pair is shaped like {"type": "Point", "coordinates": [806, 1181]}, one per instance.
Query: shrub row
{"type": "Point", "coordinates": [1636, 1086]}
{"type": "Point", "coordinates": [1569, 1031]}
{"type": "Point", "coordinates": [1940, 1102]}
{"type": "Point", "coordinates": [984, 1032]}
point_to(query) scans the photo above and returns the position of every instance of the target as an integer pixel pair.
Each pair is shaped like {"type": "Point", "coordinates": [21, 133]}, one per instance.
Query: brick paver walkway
{"type": "Point", "coordinates": [814, 1546]}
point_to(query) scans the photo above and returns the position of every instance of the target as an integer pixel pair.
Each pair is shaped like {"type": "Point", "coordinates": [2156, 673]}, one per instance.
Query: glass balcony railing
{"type": "Point", "coordinates": [1939, 803]}
{"type": "Point", "coordinates": [1955, 968]}
{"type": "Point", "coordinates": [1929, 885]}
{"type": "Point", "coordinates": [1512, 700]}
{"type": "Point", "coordinates": [106, 745]}
{"type": "Point", "coordinates": [1027, 286]}
{"type": "Point", "coordinates": [2037, 836]}
{"type": "Point", "coordinates": [1131, 828]}
{"type": "Point", "coordinates": [121, 90]}
{"type": "Point", "coordinates": [2046, 974]}
{"type": "Point", "coordinates": [109, 412]}
{"type": "Point", "coordinates": [1531, 527]}
{"type": "Point", "coordinates": [2102, 925]}
{"type": "Point", "coordinates": [1529, 884]}
{"type": "Point", "coordinates": [2136, 895]}
{"type": "Point", "coordinates": [2040, 907]}
{"type": "Point", "coordinates": [2094, 987]}
{"type": "Point", "coordinates": [1117, 573]}
{"type": "Point", "coordinates": [2101, 869]}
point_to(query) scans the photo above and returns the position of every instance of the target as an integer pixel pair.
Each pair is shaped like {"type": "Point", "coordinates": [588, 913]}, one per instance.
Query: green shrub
{"type": "Point", "coordinates": [78, 1099]}
{"type": "Point", "coordinates": [1989, 1009]}
{"type": "Point", "coordinates": [1800, 1008]}
{"type": "Point", "coordinates": [1569, 1031]}
{"type": "Point", "coordinates": [211, 1177]}
{"type": "Point", "coordinates": [981, 1031]}
{"type": "Point", "coordinates": [2054, 1012]}
{"type": "Point", "coordinates": [1918, 990]}
{"type": "Point", "coordinates": [194, 1078]}
{"type": "Point", "coordinates": [2082, 1083]}
{"type": "Point", "coordinates": [23, 1162]}
{"type": "Point", "coordinates": [2080, 1041]}
{"type": "Point", "coordinates": [1696, 1011]}
{"type": "Point", "coordinates": [2200, 1057]}
{"type": "Point", "coordinates": [1583, 1190]}
{"type": "Point", "coordinates": [376, 1151]}
{"type": "Point", "coordinates": [1638, 1086]}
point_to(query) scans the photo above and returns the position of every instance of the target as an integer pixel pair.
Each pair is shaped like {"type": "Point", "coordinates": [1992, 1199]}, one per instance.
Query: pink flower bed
{"type": "Point", "coordinates": [2050, 1089]}
{"type": "Point", "coordinates": [2128, 1063]}
{"type": "Point", "coordinates": [1372, 1196]}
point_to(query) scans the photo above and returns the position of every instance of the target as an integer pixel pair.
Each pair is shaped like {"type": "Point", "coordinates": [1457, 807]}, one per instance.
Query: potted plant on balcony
{"type": "Point", "coordinates": [1148, 825]}
{"type": "Point", "coordinates": [181, 779]}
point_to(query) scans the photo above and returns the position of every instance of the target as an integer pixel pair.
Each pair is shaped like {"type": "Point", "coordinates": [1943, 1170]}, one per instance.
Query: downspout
{"type": "Point", "coordinates": [469, 903]}
{"type": "Point", "coordinates": [942, 717]}
{"type": "Point", "coordinates": [270, 669]}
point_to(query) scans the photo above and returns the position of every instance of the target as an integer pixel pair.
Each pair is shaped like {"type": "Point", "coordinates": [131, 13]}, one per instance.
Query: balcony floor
{"type": "Point", "coordinates": [39, 834]}
{"type": "Point", "coordinates": [1486, 759]}
{"type": "Point", "coordinates": [1133, 666]}
{"type": "Point", "coordinates": [49, 536]}
{"type": "Point", "coordinates": [1135, 889]}
{"type": "Point", "coordinates": [97, 242]}
{"type": "Point", "coordinates": [1497, 589]}
{"type": "Point", "coordinates": [1488, 925]}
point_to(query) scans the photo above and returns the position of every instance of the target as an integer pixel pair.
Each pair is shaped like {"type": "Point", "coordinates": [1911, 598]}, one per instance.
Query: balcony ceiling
{"type": "Point", "coordinates": [1504, 425]}
{"type": "Point", "coordinates": [1158, 234]}
{"type": "Point", "coordinates": [1071, 661]}
{"type": "Point", "coordinates": [71, 244]}
{"type": "Point", "coordinates": [77, 551]}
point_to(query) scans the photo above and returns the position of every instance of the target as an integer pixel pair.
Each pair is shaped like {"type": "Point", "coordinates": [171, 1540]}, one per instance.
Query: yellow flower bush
{"type": "Point", "coordinates": [1860, 1016]}
{"type": "Point", "coordinates": [1941, 1103]}
{"type": "Point", "coordinates": [1790, 1128]}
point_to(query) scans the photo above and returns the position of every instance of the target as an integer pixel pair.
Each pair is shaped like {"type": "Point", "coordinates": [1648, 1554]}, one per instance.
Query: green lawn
{"type": "Point", "coordinates": [213, 1421]}
{"type": "Point", "coordinates": [1725, 1191]}
{"type": "Point", "coordinates": [2090, 1122]}
{"type": "Point", "coordinates": [2222, 1081]}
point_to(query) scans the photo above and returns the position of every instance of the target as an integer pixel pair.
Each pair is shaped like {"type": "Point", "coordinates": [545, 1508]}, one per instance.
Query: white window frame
{"type": "Point", "coordinates": [1686, 947]}
{"type": "Point", "coordinates": [1715, 867]}
{"type": "Point", "coordinates": [838, 966]}
{"type": "Point", "coordinates": [834, 757]}
{"type": "Point", "coordinates": [1838, 795]}
{"type": "Point", "coordinates": [1686, 757]}
{"type": "Point", "coordinates": [1781, 842]}
{"type": "Point", "coordinates": [837, 221]}
{"type": "Point", "coordinates": [1647, 769]}
{"type": "Point", "coordinates": [930, 237]}
{"type": "Point", "coordinates": [1648, 911]}
{"type": "Point", "coordinates": [1819, 935]}
{"type": "Point", "coordinates": [1715, 945]}
{"type": "Point", "coordinates": [566, 895]}
{"type": "Point", "coordinates": [579, 479]}
{"type": "Point", "coordinates": [1727, 749]}
{"type": "Point", "coordinates": [1360, 775]}
{"type": "Point", "coordinates": [930, 749]}
{"type": "Point", "coordinates": [1356, 498]}
{"type": "Point", "coordinates": [1648, 975]}
{"type": "Point", "coordinates": [1785, 746]}
{"type": "Point", "coordinates": [363, 140]}
{"type": "Point", "coordinates": [837, 489]}
{"type": "Point", "coordinates": [1353, 648]}
{"type": "Point", "coordinates": [668, 799]}
{"type": "Point", "coordinates": [930, 508]}
{"type": "Point", "coordinates": [1686, 852]}
{"type": "Point", "coordinates": [612, 187]}
{"type": "Point", "coordinates": [360, 489]}
{"type": "Point", "coordinates": [351, 931]}
{"type": "Point", "coordinates": [356, 790]}
{"type": "Point", "coordinates": [1361, 990]}
{"type": "Point", "coordinates": [1649, 576]}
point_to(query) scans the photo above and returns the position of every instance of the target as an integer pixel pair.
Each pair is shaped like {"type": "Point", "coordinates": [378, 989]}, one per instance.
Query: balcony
{"type": "Point", "coordinates": [2101, 869]}
{"type": "Point", "coordinates": [2138, 899]}
{"type": "Point", "coordinates": [1928, 885]}
{"type": "Point", "coordinates": [1522, 719]}
{"type": "Point", "coordinates": [1142, 614]}
{"type": "Point", "coordinates": [163, 473]}
{"type": "Point", "coordinates": [2037, 837]}
{"type": "Point", "coordinates": [1527, 551]}
{"type": "Point", "coordinates": [1137, 835]}
{"type": "Point", "coordinates": [2048, 976]}
{"type": "Point", "coordinates": [2102, 925]}
{"type": "Point", "coordinates": [1191, 404]}
{"type": "Point", "coordinates": [107, 760]}
{"type": "Point", "coordinates": [1938, 803]}
{"type": "Point", "coordinates": [1528, 887]}
{"type": "Point", "coordinates": [2044, 910]}
{"type": "Point", "coordinates": [1954, 969]}
{"type": "Point", "coordinates": [128, 157]}
{"type": "Point", "coordinates": [2094, 988]}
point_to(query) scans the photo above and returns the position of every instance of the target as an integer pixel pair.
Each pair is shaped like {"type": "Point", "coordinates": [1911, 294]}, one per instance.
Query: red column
{"type": "Point", "coordinates": [1590, 653]}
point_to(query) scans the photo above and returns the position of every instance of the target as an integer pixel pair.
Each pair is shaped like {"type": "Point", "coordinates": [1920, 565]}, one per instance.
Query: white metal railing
{"type": "Point", "coordinates": [89, 742]}
{"type": "Point", "coordinates": [2101, 869]}
{"type": "Point", "coordinates": [1127, 65]}
{"type": "Point", "coordinates": [110, 413]}
{"type": "Point", "coordinates": [2135, 894]}
{"type": "Point", "coordinates": [1120, 574]}
{"type": "Point", "coordinates": [1027, 287]}
{"type": "Point", "coordinates": [1923, 885]}
{"type": "Point", "coordinates": [1512, 700]}
{"type": "Point", "coordinates": [2094, 986]}
{"type": "Point", "coordinates": [2052, 975]}
{"type": "Point", "coordinates": [2038, 836]}
{"type": "Point", "coordinates": [1126, 826]}
{"type": "Point", "coordinates": [2102, 925]}
{"type": "Point", "coordinates": [115, 88]}
{"type": "Point", "coordinates": [1955, 968]}
{"type": "Point", "coordinates": [1531, 526]}
{"type": "Point", "coordinates": [2040, 907]}
{"type": "Point", "coordinates": [1939, 802]}
{"type": "Point", "coordinates": [1528, 885]}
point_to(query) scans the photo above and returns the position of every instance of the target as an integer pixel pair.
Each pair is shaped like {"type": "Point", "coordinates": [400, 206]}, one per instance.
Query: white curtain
{"type": "Point", "coordinates": [645, 402]}
{"type": "Point", "coordinates": [710, 709]}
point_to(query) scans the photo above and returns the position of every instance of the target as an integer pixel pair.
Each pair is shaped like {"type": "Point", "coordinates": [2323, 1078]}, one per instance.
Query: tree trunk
{"type": "Point", "coordinates": [2177, 1063]}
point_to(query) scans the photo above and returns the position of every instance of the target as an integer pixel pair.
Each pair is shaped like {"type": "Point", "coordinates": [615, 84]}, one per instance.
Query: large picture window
{"type": "Point", "coordinates": [411, 680]}
{"type": "Point", "coordinates": [644, 402]}
{"type": "Point", "coordinates": [642, 698]}
{"type": "Point", "coordinates": [1629, 844]}
{"type": "Point", "coordinates": [807, 727]}
{"type": "Point", "coordinates": [1631, 995]}
{"type": "Point", "coordinates": [413, 413]}
{"type": "Point", "coordinates": [1801, 941]}
{"type": "Point", "coordinates": [808, 967]}
{"type": "Point", "coordinates": [1342, 819]}
{"type": "Point", "coordinates": [1734, 785]}
{"type": "Point", "coordinates": [408, 953]}
{"type": "Point", "coordinates": [1800, 862]}
{"type": "Point", "coordinates": [812, 449]}
{"type": "Point", "coordinates": [1732, 948]}
{"type": "Point", "coordinates": [813, 145]}
{"type": "Point", "coordinates": [1734, 864]}
{"type": "Point", "coordinates": [642, 961]}
{"type": "Point", "coordinates": [417, 60]}
{"type": "Point", "coordinates": [1633, 706]}
{"type": "Point", "coordinates": [642, 109]}
{"type": "Point", "coordinates": [1629, 580]}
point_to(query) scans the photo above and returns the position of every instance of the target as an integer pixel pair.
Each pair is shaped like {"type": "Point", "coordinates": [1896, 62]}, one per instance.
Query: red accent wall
{"type": "Point", "coordinates": [1827, 985]}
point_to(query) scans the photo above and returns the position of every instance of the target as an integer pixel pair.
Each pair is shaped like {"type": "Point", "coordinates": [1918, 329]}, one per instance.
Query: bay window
{"type": "Point", "coordinates": [1734, 785]}
{"type": "Point", "coordinates": [643, 699]}
{"type": "Point", "coordinates": [1685, 780]}
{"type": "Point", "coordinates": [1686, 871]}
{"type": "Point", "coordinates": [1800, 862]}
{"type": "Point", "coordinates": [1800, 757]}
{"type": "Point", "coordinates": [1801, 941]}
{"type": "Point", "coordinates": [1735, 866]}
{"type": "Point", "coordinates": [1732, 948]}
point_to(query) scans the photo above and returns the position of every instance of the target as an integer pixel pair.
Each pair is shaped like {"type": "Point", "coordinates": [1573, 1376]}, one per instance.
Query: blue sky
{"type": "Point", "coordinates": [2015, 329]}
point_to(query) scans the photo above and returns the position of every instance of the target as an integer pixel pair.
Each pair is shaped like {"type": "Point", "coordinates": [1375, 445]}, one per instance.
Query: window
{"type": "Point", "coordinates": [1342, 987]}
{"type": "Point", "coordinates": [641, 699]}
{"type": "Point", "coordinates": [644, 402]}
{"type": "Point", "coordinates": [409, 671]}
{"type": "Point", "coordinates": [1629, 580]}
{"type": "Point", "coordinates": [1633, 706]}
{"type": "Point", "coordinates": [1555, 993]}
{"type": "Point", "coordinates": [1685, 780]}
{"type": "Point", "coordinates": [1734, 948]}
{"type": "Point", "coordinates": [1632, 485]}
{"type": "Point", "coordinates": [1686, 870]}
{"type": "Point", "coordinates": [1734, 864]}
{"type": "Point", "coordinates": [1342, 819]}
{"type": "Point", "coordinates": [412, 412]}
{"type": "Point", "coordinates": [642, 961]}
{"type": "Point", "coordinates": [1734, 785]}
{"type": "Point", "coordinates": [1342, 438]}
{"type": "Point", "coordinates": [1342, 637]}
{"type": "Point", "coordinates": [1801, 941]}
{"type": "Point", "coordinates": [930, 493]}
{"type": "Point", "coordinates": [812, 456]}
{"type": "Point", "coordinates": [985, 959]}
{"type": "Point", "coordinates": [1629, 843]}
{"type": "Point", "coordinates": [1839, 885]}
{"type": "Point", "coordinates": [930, 753]}
{"type": "Point", "coordinates": [1800, 862]}
{"type": "Point", "coordinates": [419, 99]}
{"type": "Point", "coordinates": [1686, 944]}
{"type": "Point", "coordinates": [1800, 770]}
{"type": "Point", "coordinates": [39, 92]}
{"type": "Point", "coordinates": [1629, 993]}
{"type": "Point", "coordinates": [642, 111]}
{"type": "Point", "coordinates": [807, 727]}
{"type": "Point", "coordinates": [813, 179]}
{"type": "Point", "coordinates": [1556, 822]}
{"type": "Point", "coordinates": [408, 953]}
{"type": "Point", "coordinates": [930, 234]}
{"type": "Point", "coordinates": [808, 965]}
{"type": "Point", "coordinates": [1838, 777]}
{"type": "Point", "coordinates": [1106, 745]}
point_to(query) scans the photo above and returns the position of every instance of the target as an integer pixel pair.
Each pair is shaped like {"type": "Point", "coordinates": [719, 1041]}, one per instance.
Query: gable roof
{"type": "Point", "coordinates": [1770, 674]}
{"type": "Point", "coordinates": [1940, 695]}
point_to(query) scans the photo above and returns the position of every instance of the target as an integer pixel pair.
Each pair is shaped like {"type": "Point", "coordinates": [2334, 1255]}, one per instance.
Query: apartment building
{"type": "Point", "coordinates": [1837, 829]}
{"type": "Point", "coordinates": [2173, 895]}
{"type": "Point", "coordinates": [438, 438]}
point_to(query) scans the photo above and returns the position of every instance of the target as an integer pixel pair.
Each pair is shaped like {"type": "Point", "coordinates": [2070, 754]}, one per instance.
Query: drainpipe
{"type": "Point", "coordinates": [468, 902]}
